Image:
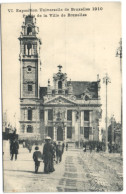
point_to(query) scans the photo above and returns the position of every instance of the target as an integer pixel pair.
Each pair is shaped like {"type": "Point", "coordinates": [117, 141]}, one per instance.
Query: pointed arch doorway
{"type": "Point", "coordinates": [59, 133]}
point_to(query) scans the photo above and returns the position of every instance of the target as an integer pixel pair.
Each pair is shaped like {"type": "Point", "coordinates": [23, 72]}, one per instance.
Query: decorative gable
{"type": "Point", "coordinates": [59, 100]}
{"type": "Point", "coordinates": [86, 95]}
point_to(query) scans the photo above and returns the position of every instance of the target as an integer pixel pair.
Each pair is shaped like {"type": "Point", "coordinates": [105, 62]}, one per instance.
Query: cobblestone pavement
{"type": "Point", "coordinates": [77, 172]}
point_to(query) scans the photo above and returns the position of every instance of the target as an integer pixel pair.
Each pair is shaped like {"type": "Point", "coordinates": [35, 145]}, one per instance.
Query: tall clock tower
{"type": "Point", "coordinates": [29, 81]}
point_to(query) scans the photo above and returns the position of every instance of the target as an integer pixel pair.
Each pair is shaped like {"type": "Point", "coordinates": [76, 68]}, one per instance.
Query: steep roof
{"type": "Point", "coordinates": [80, 87]}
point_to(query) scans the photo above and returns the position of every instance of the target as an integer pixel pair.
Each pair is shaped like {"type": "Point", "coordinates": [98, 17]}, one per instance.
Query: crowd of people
{"type": "Point", "coordinates": [52, 152]}
{"type": "Point", "coordinates": [92, 147]}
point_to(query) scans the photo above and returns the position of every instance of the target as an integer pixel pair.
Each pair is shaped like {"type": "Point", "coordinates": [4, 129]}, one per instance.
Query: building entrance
{"type": "Point", "coordinates": [50, 132]}
{"type": "Point", "coordinates": [59, 134]}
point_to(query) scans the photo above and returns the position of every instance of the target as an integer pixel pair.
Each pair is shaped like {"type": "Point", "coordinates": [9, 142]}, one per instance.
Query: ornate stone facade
{"type": "Point", "coordinates": [67, 111]}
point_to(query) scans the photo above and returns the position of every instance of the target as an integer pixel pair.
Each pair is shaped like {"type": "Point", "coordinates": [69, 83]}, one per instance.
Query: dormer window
{"type": "Point", "coordinates": [86, 97]}
{"type": "Point", "coordinates": [29, 31]}
{"type": "Point", "coordinates": [60, 85]}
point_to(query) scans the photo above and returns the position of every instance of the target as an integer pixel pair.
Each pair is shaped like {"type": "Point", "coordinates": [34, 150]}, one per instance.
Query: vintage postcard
{"type": "Point", "coordinates": [62, 97]}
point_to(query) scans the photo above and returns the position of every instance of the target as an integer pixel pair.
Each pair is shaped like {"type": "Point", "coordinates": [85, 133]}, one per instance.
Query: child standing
{"type": "Point", "coordinates": [37, 157]}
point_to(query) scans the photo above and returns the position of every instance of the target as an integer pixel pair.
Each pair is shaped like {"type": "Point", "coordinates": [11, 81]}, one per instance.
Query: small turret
{"type": "Point", "coordinates": [49, 91]}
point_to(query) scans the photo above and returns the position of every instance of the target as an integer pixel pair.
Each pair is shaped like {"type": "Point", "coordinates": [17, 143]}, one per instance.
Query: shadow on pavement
{"type": "Point", "coordinates": [24, 171]}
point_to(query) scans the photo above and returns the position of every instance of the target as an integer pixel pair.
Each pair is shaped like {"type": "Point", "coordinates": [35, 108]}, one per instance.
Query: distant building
{"type": "Point", "coordinates": [4, 122]}
{"type": "Point", "coordinates": [67, 110]}
{"type": "Point", "coordinates": [114, 132]}
{"type": "Point", "coordinates": [7, 128]}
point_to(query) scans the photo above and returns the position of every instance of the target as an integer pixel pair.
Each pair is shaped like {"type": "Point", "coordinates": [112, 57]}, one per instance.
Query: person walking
{"type": "Point", "coordinates": [66, 146]}
{"type": "Point", "coordinates": [37, 157]}
{"type": "Point", "coordinates": [52, 157]}
{"type": "Point", "coordinates": [23, 144]}
{"type": "Point", "coordinates": [97, 147]}
{"type": "Point", "coordinates": [54, 150]}
{"type": "Point", "coordinates": [14, 148]}
{"type": "Point", "coordinates": [84, 147]}
{"type": "Point", "coordinates": [90, 148]}
{"type": "Point", "coordinates": [59, 152]}
{"type": "Point", "coordinates": [63, 145]}
{"type": "Point", "coordinates": [30, 147]}
{"type": "Point", "coordinates": [11, 148]}
{"type": "Point", "coordinates": [48, 156]}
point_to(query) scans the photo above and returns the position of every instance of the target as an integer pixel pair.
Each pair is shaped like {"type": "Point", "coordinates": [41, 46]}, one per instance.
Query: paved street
{"type": "Point", "coordinates": [78, 171]}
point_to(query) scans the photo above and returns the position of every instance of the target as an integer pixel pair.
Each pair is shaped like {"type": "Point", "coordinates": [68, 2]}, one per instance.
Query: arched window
{"type": "Point", "coordinates": [29, 31]}
{"type": "Point", "coordinates": [29, 69]}
{"type": "Point", "coordinates": [60, 85]}
{"type": "Point", "coordinates": [29, 129]}
{"type": "Point", "coordinates": [29, 47]}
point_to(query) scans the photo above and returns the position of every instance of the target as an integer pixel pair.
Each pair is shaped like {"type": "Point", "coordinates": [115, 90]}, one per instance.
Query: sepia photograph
{"type": "Point", "coordinates": [62, 97]}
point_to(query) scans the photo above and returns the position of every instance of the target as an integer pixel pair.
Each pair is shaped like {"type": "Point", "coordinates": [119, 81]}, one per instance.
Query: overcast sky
{"type": "Point", "coordinates": [84, 46]}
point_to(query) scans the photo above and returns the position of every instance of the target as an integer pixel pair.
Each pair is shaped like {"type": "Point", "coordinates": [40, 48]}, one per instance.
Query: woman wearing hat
{"type": "Point", "coordinates": [48, 156]}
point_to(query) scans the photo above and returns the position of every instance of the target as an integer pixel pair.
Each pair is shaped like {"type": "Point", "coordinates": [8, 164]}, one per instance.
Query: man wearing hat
{"type": "Point", "coordinates": [48, 156]}
{"type": "Point", "coordinates": [37, 156]}
{"type": "Point", "coordinates": [59, 152]}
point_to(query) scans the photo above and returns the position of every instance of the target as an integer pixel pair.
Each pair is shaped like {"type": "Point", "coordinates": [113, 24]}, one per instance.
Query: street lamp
{"type": "Point", "coordinates": [106, 80]}
{"type": "Point", "coordinates": [119, 54]}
